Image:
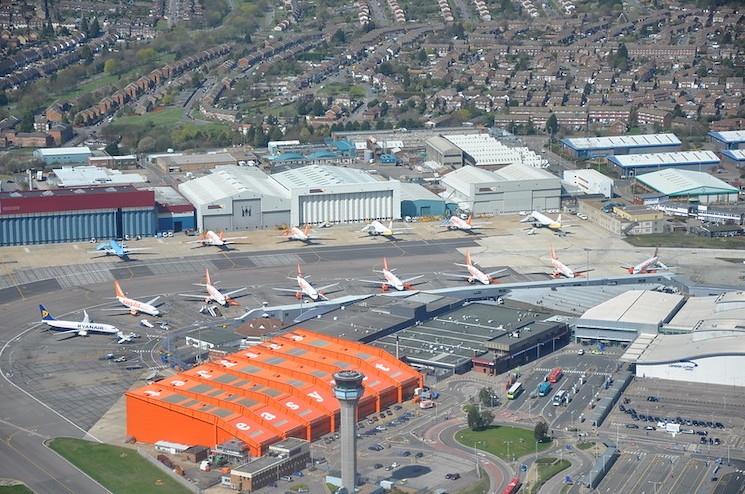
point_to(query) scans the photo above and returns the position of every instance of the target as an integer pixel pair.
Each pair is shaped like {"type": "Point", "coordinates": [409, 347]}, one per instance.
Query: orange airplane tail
{"type": "Point", "coordinates": [299, 272]}
{"type": "Point", "coordinates": [470, 219]}
{"type": "Point", "coordinates": [118, 290]}
{"type": "Point", "coordinates": [468, 258]}
{"type": "Point", "coordinates": [385, 264]}
{"type": "Point", "coordinates": [207, 279]}
{"type": "Point", "coordinates": [306, 230]}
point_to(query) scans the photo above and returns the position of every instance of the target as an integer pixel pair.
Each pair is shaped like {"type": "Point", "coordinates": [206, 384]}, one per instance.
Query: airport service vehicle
{"type": "Point", "coordinates": [540, 220]}
{"type": "Point", "coordinates": [305, 289]}
{"type": "Point", "coordinates": [475, 274]}
{"type": "Point", "coordinates": [378, 229]}
{"type": "Point", "coordinates": [555, 375]}
{"type": "Point", "coordinates": [651, 265]}
{"type": "Point", "coordinates": [561, 269]}
{"type": "Point", "coordinates": [114, 248]}
{"type": "Point", "coordinates": [212, 239]}
{"type": "Point", "coordinates": [146, 323]}
{"type": "Point", "coordinates": [559, 398]}
{"type": "Point", "coordinates": [135, 306]}
{"type": "Point", "coordinates": [514, 391]}
{"type": "Point", "coordinates": [424, 404]}
{"type": "Point", "coordinates": [544, 388]}
{"type": "Point", "coordinates": [513, 486]}
{"type": "Point", "coordinates": [296, 234]}
{"type": "Point", "coordinates": [457, 223]}
{"type": "Point", "coordinates": [391, 280]}
{"type": "Point", "coordinates": [82, 328]}
{"type": "Point", "coordinates": [213, 294]}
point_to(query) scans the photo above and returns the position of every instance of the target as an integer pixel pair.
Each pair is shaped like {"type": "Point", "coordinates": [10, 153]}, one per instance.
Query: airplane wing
{"type": "Point", "coordinates": [583, 271]}
{"type": "Point", "coordinates": [67, 332]}
{"type": "Point", "coordinates": [326, 286]}
{"type": "Point", "coordinates": [527, 219]}
{"type": "Point", "coordinates": [288, 290]}
{"type": "Point", "coordinates": [137, 249]}
{"type": "Point", "coordinates": [407, 280]}
{"type": "Point", "coordinates": [192, 296]}
{"type": "Point", "coordinates": [86, 318]}
{"type": "Point", "coordinates": [663, 266]}
{"type": "Point", "coordinates": [375, 282]}
{"type": "Point", "coordinates": [626, 266]}
{"type": "Point", "coordinates": [459, 275]}
{"type": "Point", "coordinates": [233, 292]}
{"type": "Point", "coordinates": [495, 273]}
{"type": "Point", "coordinates": [153, 300]}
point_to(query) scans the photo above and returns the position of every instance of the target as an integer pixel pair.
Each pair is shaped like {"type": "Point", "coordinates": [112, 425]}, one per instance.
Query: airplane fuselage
{"type": "Point", "coordinates": [477, 275]}
{"type": "Point", "coordinates": [643, 267]}
{"type": "Point", "coordinates": [136, 306]}
{"type": "Point", "coordinates": [83, 327]}
{"type": "Point", "coordinates": [456, 223]}
{"type": "Point", "coordinates": [561, 269]}
{"type": "Point", "coordinates": [297, 234]}
{"type": "Point", "coordinates": [212, 238]}
{"type": "Point", "coordinates": [215, 295]}
{"type": "Point", "coordinates": [393, 280]}
{"type": "Point", "coordinates": [307, 289]}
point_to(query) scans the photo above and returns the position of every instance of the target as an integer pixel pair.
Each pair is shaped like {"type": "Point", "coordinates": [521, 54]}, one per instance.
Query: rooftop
{"type": "Point", "coordinates": [487, 151]}
{"type": "Point", "coordinates": [729, 136]}
{"type": "Point", "coordinates": [415, 192]}
{"type": "Point", "coordinates": [629, 141]}
{"type": "Point", "coordinates": [636, 306]}
{"type": "Point", "coordinates": [675, 182]}
{"type": "Point", "coordinates": [322, 175]}
{"type": "Point", "coordinates": [81, 176]}
{"type": "Point", "coordinates": [735, 154]}
{"type": "Point", "coordinates": [669, 348]}
{"type": "Point", "coordinates": [64, 151]}
{"type": "Point", "coordinates": [188, 159]}
{"type": "Point", "coordinates": [231, 180]}
{"type": "Point", "coordinates": [523, 172]}
{"type": "Point", "coordinates": [662, 159]}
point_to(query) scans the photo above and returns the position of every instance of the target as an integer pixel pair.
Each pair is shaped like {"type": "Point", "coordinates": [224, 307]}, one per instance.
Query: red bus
{"type": "Point", "coordinates": [555, 375]}
{"type": "Point", "coordinates": [513, 486]}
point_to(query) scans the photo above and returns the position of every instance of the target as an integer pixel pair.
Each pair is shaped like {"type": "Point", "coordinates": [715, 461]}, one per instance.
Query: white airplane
{"type": "Point", "coordinates": [475, 274]}
{"type": "Point", "coordinates": [378, 229]}
{"type": "Point", "coordinates": [538, 219]}
{"type": "Point", "coordinates": [135, 306]}
{"type": "Point", "coordinates": [306, 289]}
{"type": "Point", "coordinates": [114, 248]}
{"type": "Point", "coordinates": [213, 294]}
{"type": "Point", "coordinates": [561, 269]}
{"type": "Point", "coordinates": [458, 223]}
{"type": "Point", "coordinates": [82, 328]}
{"type": "Point", "coordinates": [213, 239]}
{"type": "Point", "coordinates": [651, 265]}
{"type": "Point", "coordinates": [304, 235]}
{"type": "Point", "coordinates": [391, 280]}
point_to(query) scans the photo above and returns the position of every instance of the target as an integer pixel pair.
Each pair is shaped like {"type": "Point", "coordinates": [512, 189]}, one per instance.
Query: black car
{"type": "Point", "coordinates": [632, 426]}
{"type": "Point", "coordinates": [717, 442]}
{"type": "Point", "coordinates": [719, 425]}
{"type": "Point", "coordinates": [695, 422]}
{"type": "Point", "coordinates": [406, 453]}
{"type": "Point", "coordinates": [378, 466]}
{"type": "Point", "coordinates": [419, 454]}
{"type": "Point", "coordinates": [702, 433]}
{"type": "Point", "coordinates": [652, 398]}
{"type": "Point", "coordinates": [702, 440]}
{"type": "Point", "coordinates": [622, 408]}
{"type": "Point", "coordinates": [710, 424]}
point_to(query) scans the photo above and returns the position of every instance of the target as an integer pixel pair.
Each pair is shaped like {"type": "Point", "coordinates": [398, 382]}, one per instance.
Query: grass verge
{"type": "Point", "coordinates": [502, 441]}
{"type": "Point", "coordinates": [684, 240]}
{"type": "Point", "coordinates": [585, 445]}
{"type": "Point", "coordinates": [120, 470]}
{"type": "Point", "coordinates": [547, 468]}
{"type": "Point", "coordinates": [15, 489]}
{"type": "Point", "coordinates": [481, 486]}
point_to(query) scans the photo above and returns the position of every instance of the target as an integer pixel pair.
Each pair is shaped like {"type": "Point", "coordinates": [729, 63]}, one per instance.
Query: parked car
{"type": "Point", "coordinates": [632, 426]}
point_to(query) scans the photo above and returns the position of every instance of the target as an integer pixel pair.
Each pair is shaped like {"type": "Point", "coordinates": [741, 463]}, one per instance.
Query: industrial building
{"type": "Point", "coordinates": [484, 151]}
{"type": "Point", "coordinates": [70, 215]}
{"type": "Point", "coordinates": [595, 147]}
{"type": "Point", "coordinates": [86, 176]}
{"type": "Point", "coordinates": [689, 185]}
{"type": "Point", "coordinates": [630, 165]}
{"type": "Point", "coordinates": [237, 198]}
{"type": "Point", "coordinates": [283, 458]}
{"type": "Point", "coordinates": [510, 189]}
{"type": "Point", "coordinates": [623, 219]}
{"type": "Point", "coordinates": [193, 162]}
{"type": "Point", "coordinates": [175, 213]}
{"type": "Point", "coordinates": [63, 156]}
{"type": "Point", "coordinates": [409, 140]}
{"type": "Point", "coordinates": [417, 201]}
{"type": "Point", "coordinates": [730, 139]}
{"type": "Point", "coordinates": [734, 156]}
{"type": "Point", "coordinates": [622, 318]}
{"type": "Point", "coordinates": [318, 194]}
{"type": "Point", "coordinates": [443, 152]}
{"type": "Point", "coordinates": [272, 391]}
{"type": "Point", "coordinates": [590, 181]}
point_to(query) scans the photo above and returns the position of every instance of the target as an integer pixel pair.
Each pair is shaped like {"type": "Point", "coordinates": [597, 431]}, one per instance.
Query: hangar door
{"type": "Point", "coordinates": [346, 207]}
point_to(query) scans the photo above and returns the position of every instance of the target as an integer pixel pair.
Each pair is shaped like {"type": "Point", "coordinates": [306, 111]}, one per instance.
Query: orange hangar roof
{"type": "Point", "coordinates": [280, 388]}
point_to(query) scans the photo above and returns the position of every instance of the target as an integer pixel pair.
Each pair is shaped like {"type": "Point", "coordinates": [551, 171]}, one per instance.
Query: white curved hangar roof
{"type": "Point", "coordinates": [681, 347]}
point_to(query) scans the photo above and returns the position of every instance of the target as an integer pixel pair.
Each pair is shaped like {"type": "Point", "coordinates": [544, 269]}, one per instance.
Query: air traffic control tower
{"type": "Point", "coordinates": [348, 390]}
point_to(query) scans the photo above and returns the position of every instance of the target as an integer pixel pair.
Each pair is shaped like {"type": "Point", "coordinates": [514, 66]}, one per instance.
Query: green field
{"type": "Point", "coordinates": [167, 117]}
{"type": "Point", "coordinates": [121, 470]}
{"type": "Point", "coordinates": [684, 240]}
{"type": "Point", "coordinates": [15, 489]}
{"type": "Point", "coordinates": [585, 445]}
{"type": "Point", "coordinates": [547, 468]}
{"type": "Point", "coordinates": [481, 486]}
{"type": "Point", "coordinates": [501, 441]}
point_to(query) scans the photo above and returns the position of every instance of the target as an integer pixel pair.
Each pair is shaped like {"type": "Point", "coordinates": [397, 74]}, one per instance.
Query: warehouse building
{"type": "Point", "coordinates": [595, 147]}
{"type": "Point", "coordinates": [237, 198]}
{"type": "Point", "coordinates": [689, 185]}
{"type": "Point", "coordinates": [284, 458]}
{"type": "Point", "coordinates": [417, 201]}
{"type": "Point", "coordinates": [63, 156]}
{"type": "Point", "coordinates": [630, 165]}
{"type": "Point", "coordinates": [71, 215]}
{"type": "Point", "coordinates": [734, 156]}
{"type": "Point", "coordinates": [443, 152]}
{"type": "Point", "coordinates": [730, 139]}
{"type": "Point", "coordinates": [175, 213]}
{"type": "Point", "coordinates": [484, 151]}
{"type": "Point", "coordinates": [318, 194]}
{"type": "Point", "coordinates": [622, 318]}
{"type": "Point", "coordinates": [193, 162]}
{"type": "Point", "coordinates": [87, 176]}
{"type": "Point", "coordinates": [510, 189]}
{"type": "Point", "coordinates": [278, 389]}
{"type": "Point", "coordinates": [590, 181]}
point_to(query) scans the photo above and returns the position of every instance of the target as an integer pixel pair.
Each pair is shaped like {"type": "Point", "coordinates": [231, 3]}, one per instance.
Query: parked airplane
{"type": "Point", "coordinates": [82, 328]}
{"type": "Point", "coordinates": [378, 229]}
{"type": "Point", "coordinates": [304, 235]}
{"type": "Point", "coordinates": [561, 269]}
{"type": "Point", "coordinates": [538, 219]}
{"type": "Point", "coordinates": [475, 274]}
{"type": "Point", "coordinates": [458, 223]}
{"type": "Point", "coordinates": [213, 294]}
{"type": "Point", "coordinates": [651, 265]}
{"type": "Point", "coordinates": [306, 289]}
{"type": "Point", "coordinates": [212, 239]}
{"type": "Point", "coordinates": [114, 248]}
{"type": "Point", "coordinates": [391, 280]}
{"type": "Point", "coordinates": [134, 306]}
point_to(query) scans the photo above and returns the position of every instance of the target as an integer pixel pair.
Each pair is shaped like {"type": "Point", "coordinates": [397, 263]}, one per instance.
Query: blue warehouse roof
{"type": "Point", "coordinates": [735, 154]}
{"type": "Point", "coordinates": [655, 160]}
{"type": "Point", "coordinates": [629, 141]}
{"type": "Point", "coordinates": [729, 136]}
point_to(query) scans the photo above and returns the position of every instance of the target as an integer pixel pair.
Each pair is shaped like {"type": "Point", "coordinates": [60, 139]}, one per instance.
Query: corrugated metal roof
{"type": "Point", "coordinates": [523, 172]}
{"type": "Point", "coordinates": [729, 136]}
{"type": "Point", "coordinates": [81, 176]}
{"type": "Point", "coordinates": [735, 154]}
{"type": "Point", "coordinates": [667, 348]}
{"type": "Point", "coordinates": [643, 140]}
{"type": "Point", "coordinates": [80, 150]}
{"type": "Point", "coordinates": [229, 181]}
{"type": "Point", "coordinates": [636, 306]}
{"type": "Point", "coordinates": [661, 159]}
{"type": "Point", "coordinates": [415, 192]}
{"type": "Point", "coordinates": [321, 175]}
{"type": "Point", "coordinates": [674, 182]}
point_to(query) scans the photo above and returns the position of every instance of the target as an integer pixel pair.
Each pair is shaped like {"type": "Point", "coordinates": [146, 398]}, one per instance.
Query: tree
{"type": "Point", "coordinates": [110, 66]}
{"type": "Point", "coordinates": [421, 56]}
{"type": "Point", "coordinates": [541, 431]}
{"type": "Point", "coordinates": [477, 420]}
{"type": "Point", "coordinates": [145, 55]}
{"type": "Point", "coordinates": [84, 27]}
{"type": "Point", "coordinates": [487, 397]}
{"type": "Point", "coordinates": [339, 37]}
{"type": "Point", "coordinates": [112, 149]}
{"type": "Point", "coordinates": [95, 29]}
{"type": "Point", "coordinates": [552, 125]}
{"type": "Point", "coordinates": [86, 54]}
{"type": "Point", "coordinates": [3, 98]}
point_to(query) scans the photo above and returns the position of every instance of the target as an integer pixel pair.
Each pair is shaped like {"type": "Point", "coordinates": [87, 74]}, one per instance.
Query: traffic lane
{"type": "Point", "coordinates": [687, 480]}
{"type": "Point", "coordinates": [733, 483]}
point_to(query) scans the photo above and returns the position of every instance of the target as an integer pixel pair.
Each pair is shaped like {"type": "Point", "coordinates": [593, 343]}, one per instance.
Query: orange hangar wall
{"type": "Point", "coordinates": [278, 389]}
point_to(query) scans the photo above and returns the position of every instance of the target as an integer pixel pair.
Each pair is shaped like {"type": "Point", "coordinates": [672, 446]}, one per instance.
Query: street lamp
{"type": "Point", "coordinates": [508, 449]}
{"type": "Point", "coordinates": [655, 485]}
{"type": "Point", "coordinates": [476, 458]}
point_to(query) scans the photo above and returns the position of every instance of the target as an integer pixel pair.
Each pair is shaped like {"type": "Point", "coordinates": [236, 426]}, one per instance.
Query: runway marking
{"type": "Point", "coordinates": [31, 461]}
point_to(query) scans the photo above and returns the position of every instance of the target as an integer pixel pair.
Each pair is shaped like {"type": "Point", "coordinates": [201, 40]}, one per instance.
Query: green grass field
{"type": "Point", "coordinates": [547, 468]}
{"type": "Point", "coordinates": [683, 240]}
{"type": "Point", "coordinates": [167, 117]}
{"type": "Point", "coordinates": [585, 445]}
{"type": "Point", "coordinates": [121, 470]}
{"type": "Point", "coordinates": [15, 489]}
{"type": "Point", "coordinates": [502, 441]}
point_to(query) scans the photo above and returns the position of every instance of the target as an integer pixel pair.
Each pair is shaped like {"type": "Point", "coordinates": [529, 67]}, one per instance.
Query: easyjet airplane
{"type": "Point", "coordinates": [391, 280]}
{"type": "Point", "coordinates": [305, 288]}
{"type": "Point", "coordinates": [213, 239]}
{"type": "Point", "coordinates": [213, 294]}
